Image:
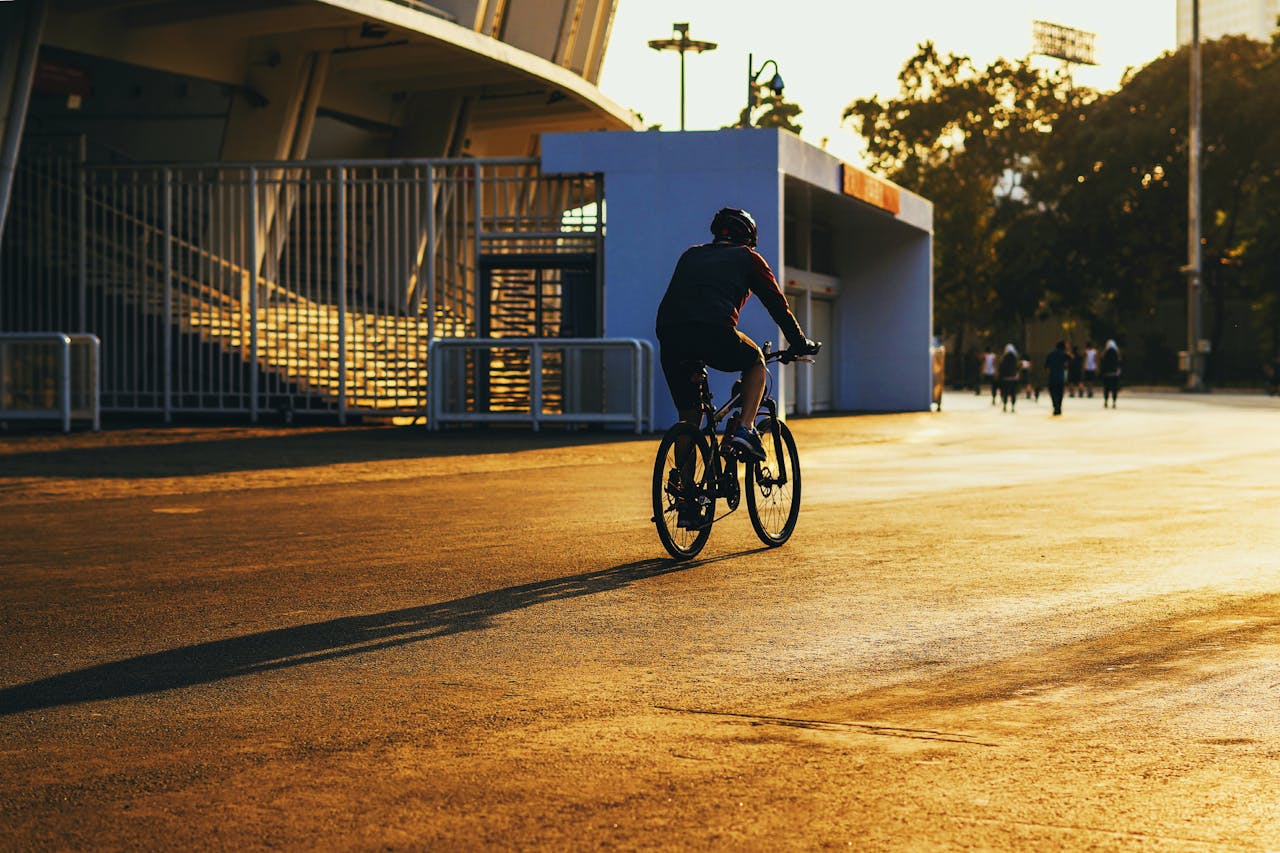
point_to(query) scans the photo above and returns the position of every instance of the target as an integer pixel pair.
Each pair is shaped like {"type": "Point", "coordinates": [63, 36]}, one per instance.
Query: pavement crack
{"type": "Point", "coordinates": [839, 726]}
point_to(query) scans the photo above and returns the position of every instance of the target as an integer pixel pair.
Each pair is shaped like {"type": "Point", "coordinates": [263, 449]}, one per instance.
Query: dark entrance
{"type": "Point", "coordinates": [536, 296]}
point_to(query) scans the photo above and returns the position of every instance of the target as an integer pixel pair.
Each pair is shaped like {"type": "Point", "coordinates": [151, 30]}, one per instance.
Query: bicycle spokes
{"type": "Point", "coordinates": [684, 491]}
{"type": "Point", "coordinates": [773, 485]}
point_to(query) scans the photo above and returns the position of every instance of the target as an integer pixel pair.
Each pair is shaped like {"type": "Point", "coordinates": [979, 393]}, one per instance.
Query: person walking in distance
{"type": "Point", "coordinates": [1090, 367]}
{"type": "Point", "coordinates": [1075, 373]}
{"type": "Point", "coordinates": [1110, 373]}
{"type": "Point", "coordinates": [989, 373]}
{"type": "Point", "coordinates": [1056, 366]}
{"type": "Point", "coordinates": [1271, 371]}
{"type": "Point", "coordinates": [1029, 384]}
{"type": "Point", "coordinates": [1009, 371]}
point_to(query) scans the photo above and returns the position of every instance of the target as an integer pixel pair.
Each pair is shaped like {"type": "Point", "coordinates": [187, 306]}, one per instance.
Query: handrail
{"type": "Point", "coordinates": [641, 414]}
{"type": "Point", "coordinates": [64, 342]}
{"type": "Point", "coordinates": [283, 165]}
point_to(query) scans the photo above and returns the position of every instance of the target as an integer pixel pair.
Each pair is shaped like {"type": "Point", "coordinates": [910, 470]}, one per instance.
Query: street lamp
{"type": "Point", "coordinates": [1195, 347]}
{"type": "Point", "coordinates": [682, 44]}
{"type": "Point", "coordinates": [753, 81]}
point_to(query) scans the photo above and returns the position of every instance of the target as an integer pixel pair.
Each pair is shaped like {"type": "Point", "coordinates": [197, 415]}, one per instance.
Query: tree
{"type": "Point", "coordinates": [965, 137]}
{"type": "Point", "coordinates": [1113, 182]}
{"type": "Point", "coordinates": [777, 112]}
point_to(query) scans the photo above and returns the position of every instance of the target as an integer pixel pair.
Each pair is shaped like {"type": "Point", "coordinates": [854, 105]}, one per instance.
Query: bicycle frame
{"type": "Point", "coordinates": [712, 417]}
{"type": "Point", "coordinates": [684, 500]}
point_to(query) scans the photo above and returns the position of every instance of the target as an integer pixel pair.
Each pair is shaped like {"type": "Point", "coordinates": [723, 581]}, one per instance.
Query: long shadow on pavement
{"type": "Point", "coordinates": [335, 638]}
{"type": "Point", "coordinates": [164, 457]}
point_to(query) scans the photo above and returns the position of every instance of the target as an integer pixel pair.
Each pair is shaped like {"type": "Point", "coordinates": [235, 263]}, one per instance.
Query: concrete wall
{"type": "Point", "coordinates": [662, 190]}
{"type": "Point", "coordinates": [884, 315]}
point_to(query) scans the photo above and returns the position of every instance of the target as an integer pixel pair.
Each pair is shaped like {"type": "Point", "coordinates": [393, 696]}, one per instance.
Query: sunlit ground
{"type": "Point", "coordinates": [990, 631]}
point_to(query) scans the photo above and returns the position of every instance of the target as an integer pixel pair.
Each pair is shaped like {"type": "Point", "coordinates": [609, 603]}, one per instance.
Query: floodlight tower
{"type": "Point", "coordinates": [1070, 45]}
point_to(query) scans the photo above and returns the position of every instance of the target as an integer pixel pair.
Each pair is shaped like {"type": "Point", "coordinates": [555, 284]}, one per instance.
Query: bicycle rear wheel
{"type": "Point", "coordinates": [682, 485]}
{"type": "Point", "coordinates": [773, 486]}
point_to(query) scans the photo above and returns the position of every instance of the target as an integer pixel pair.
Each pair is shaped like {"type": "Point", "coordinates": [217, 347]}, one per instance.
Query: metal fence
{"type": "Point", "coordinates": [288, 287]}
{"type": "Point", "coordinates": [576, 381]}
{"type": "Point", "coordinates": [49, 376]}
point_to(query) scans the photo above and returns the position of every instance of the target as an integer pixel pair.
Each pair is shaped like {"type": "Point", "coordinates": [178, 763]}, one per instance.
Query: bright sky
{"type": "Point", "coordinates": [831, 52]}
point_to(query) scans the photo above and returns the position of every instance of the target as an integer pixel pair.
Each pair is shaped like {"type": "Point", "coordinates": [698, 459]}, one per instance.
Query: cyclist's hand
{"type": "Point", "coordinates": [807, 348]}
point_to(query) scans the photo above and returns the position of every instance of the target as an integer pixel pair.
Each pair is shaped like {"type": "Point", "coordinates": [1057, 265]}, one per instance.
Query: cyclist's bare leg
{"type": "Point", "coordinates": [686, 457]}
{"type": "Point", "coordinates": [750, 394]}
{"type": "Point", "coordinates": [752, 391]}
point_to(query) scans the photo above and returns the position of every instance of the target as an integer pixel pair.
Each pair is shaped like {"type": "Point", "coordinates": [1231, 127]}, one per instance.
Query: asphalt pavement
{"type": "Point", "coordinates": [990, 631]}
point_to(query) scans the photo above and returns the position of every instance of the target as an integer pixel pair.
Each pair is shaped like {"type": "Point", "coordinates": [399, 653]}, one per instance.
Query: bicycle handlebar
{"type": "Point", "coordinates": [786, 356]}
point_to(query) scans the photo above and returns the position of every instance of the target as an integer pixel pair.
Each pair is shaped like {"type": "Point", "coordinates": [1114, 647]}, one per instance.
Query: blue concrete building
{"type": "Point", "coordinates": [853, 252]}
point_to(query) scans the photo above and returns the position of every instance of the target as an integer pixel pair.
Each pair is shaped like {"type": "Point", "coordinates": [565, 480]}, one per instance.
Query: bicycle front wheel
{"type": "Point", "coordinates": [773, 486]}
{"type": "Point", "coordinates": [684, 500]}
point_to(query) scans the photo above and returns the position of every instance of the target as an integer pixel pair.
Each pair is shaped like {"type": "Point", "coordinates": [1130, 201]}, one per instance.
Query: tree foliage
{"type": "Point", "coordinates": [1053, 200]}
{"type": "Point", "coordinates": [773, 112]}
{"type": "Point", "coordinates": [965, 137]}
{"type": "Point", "coordinates": [1114, 183]}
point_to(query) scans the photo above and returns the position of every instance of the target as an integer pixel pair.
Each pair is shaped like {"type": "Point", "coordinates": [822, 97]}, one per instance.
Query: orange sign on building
{"type": "Point", "coordinates": [872, 190]}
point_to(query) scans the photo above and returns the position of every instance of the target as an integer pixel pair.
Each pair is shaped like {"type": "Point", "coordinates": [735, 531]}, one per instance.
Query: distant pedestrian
{"type": "Point", "coordinates": [1075, 373]}
{"type": "Point", "coordinates": [1090, 367]}
{"type": "Point", "coordinates": [1110, 373]}
{"type": "Point", "coordinates": [1056, 367]}
{"type": "Point", "coordinates": [1009, 371]}
{"type": "Point", "coordinates": [989, 373]}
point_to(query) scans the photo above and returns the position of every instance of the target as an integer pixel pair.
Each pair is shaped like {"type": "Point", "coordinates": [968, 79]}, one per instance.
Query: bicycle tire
{"type": "Point", "coordinates": [682, 543]}
{"type": "Point", "coordinates": [774, 508]}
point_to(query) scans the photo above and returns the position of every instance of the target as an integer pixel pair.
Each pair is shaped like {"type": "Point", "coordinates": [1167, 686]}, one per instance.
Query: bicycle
{"type": "Point", "coordinates": [696, 467]}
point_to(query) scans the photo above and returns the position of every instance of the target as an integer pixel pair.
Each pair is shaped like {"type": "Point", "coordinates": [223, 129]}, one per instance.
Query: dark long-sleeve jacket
{"type": "Point", "coordinates": [1056, 362]}
{"type": "Point", "coordinates": [712, 282]}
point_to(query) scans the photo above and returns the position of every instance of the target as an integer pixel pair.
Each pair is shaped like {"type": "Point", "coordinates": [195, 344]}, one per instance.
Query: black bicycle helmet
{"type": "Point", "coordinates": [736, 226]}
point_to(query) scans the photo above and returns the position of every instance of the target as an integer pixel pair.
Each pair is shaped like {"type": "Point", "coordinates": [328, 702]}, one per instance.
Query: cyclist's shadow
{"type": "Point", "coordinates": [318, 641]}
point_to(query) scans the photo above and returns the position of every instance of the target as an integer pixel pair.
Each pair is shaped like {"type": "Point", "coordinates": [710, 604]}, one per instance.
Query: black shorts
{"type": "Point", "coordinates": [721, 347]}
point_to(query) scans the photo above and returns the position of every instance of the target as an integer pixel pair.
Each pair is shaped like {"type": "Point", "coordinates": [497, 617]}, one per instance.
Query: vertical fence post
{"type": "Point", "coordinates": [431, 254]}
{"type": "Point", "coordinates": [253, 294]}
{"type": "Point", "coordinates": [430, 260]}
{"type": "Point", "coordinates": [535, 375]}
{"type": "Point", "coordinates": [433, 354]}
{"type": "Point", "coordinates": [479, 216]}
{"type": "Point", "coordinates": [168, 295]}
{"type": "Point", "coordinates": [637, 387]}
{"type": "Point", "coordinates": [342, 295]}
{"type": "Point", "coordinates": [64, 379]}
{"type": "Point", "coordinates": [95, 383]}
{"type": "Point", "coordinates": [82, 243]}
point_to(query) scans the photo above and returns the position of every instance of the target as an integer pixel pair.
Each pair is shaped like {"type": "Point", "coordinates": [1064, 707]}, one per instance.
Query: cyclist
{"type": "Point", "coordinates": [698, 321]}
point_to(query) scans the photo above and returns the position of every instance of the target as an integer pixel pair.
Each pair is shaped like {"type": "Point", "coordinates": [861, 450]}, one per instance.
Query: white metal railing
{"type": "Point", "coordinates": [309, 286]}
{"type": "Point", "coordinates": [566, 380]}
{"type": "Point", "coordinates": [50, 376]}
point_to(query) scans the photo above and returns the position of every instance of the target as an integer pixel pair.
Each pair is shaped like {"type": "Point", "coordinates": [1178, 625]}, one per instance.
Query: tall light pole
{"type": "Point", "coordinates": [1195, 356]}
{"type": "Point", "coordinates": [682, 44]}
